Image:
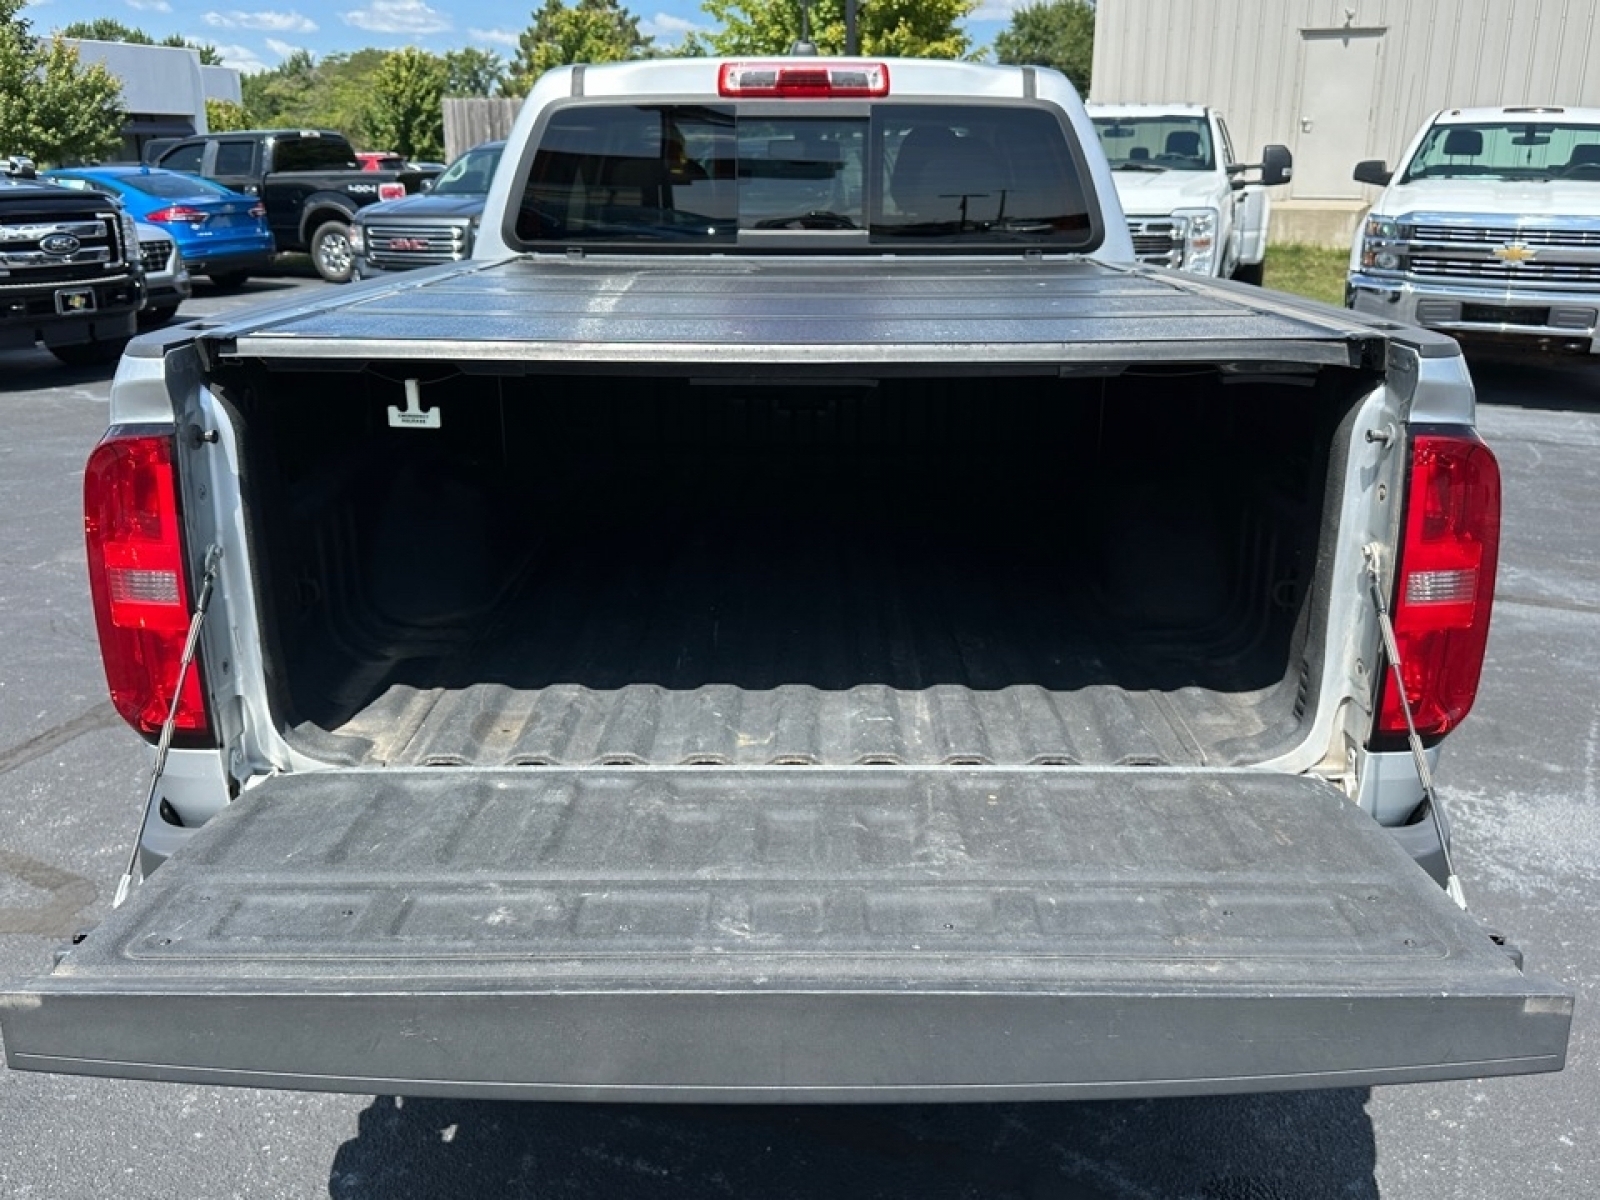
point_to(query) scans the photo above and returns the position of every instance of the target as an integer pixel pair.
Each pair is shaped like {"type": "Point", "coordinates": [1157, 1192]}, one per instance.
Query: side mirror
{"type": "Point", "coordinates": [1374, 171]}
{"type": "Point", "coordinates": [1277, 165]}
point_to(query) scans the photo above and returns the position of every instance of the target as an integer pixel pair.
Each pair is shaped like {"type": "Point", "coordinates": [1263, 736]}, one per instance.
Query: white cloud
{"type": "Point", "coordinates": [283, 49]}
{"type": "Point", "coordinates": [495, 37]}
{"type": "Point", "coordinates": [670, 28]}
{"type": "Point", "coordinates": [272, 22]}
{"type": "Point", "coordinates": [160, 6]}
{"type": "Point", "coordinates": [398, 16]}
{"type": "Point", "coordinates": [241, 57]}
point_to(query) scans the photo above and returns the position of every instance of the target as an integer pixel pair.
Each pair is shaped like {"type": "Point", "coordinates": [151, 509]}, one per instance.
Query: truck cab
{"type": "Point", "coordinates": [1188, 202]}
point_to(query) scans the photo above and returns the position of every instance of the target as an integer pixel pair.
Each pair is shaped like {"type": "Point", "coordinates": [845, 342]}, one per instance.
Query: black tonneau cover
{"type": "Point", "coordinates": [756, 313]}
{"type": "Point", "coordinates": [789, 934]}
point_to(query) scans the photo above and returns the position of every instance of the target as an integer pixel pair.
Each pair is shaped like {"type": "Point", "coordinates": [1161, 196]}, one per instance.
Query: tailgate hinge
{"type": "Point", "coordinates": [1419, 756]}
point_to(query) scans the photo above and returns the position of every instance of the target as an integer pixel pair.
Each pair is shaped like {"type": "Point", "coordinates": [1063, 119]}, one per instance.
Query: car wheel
{"type": "Point", "coordinates": [90, 354]}
{"type": "Point", "coordinates": [229, 279]}
{"type": "Point", "coordinates": [331, 253]}
{"type": "Point", "coordinates": [1250, 272]}
{"type": "Point", "coordinates": [151, 317]}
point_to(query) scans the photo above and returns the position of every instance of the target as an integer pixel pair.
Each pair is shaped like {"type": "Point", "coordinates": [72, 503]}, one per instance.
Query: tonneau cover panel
{"type": "Point", "coordinates": [789, 934]}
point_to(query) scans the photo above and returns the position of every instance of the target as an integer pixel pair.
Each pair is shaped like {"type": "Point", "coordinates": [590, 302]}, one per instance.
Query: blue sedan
{"type": "Point", "coordinates": [223, 234]}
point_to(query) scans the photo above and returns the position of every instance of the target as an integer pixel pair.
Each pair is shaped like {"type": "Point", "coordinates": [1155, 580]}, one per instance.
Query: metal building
{"type": "Point", "coordinates": [1338, 81]}
{"type": "Point", "coordinates": [164, 88]}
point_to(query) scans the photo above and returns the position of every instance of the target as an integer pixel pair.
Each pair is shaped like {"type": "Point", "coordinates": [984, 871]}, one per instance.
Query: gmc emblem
{"type": "Point", "coordinates": [408, 243]}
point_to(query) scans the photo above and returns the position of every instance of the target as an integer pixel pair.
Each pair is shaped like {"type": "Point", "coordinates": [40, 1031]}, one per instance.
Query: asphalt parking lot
{"type": "Point", "coordinates": [1522, 782]}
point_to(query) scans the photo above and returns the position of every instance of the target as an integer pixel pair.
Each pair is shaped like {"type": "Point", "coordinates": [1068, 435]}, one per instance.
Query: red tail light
{"type": "Point", "coordinates": [178, 212]}
{"type": "Point", "coordinates": [391, 191]}
{"type": "Point", "coordinates": [801, 80]}
{"type": "Point", "coordinates": [136, 576]}
{"type": "Point", "coordinates": [1444, 585]}
{"type": "Point", "coordinates": [258, 211]}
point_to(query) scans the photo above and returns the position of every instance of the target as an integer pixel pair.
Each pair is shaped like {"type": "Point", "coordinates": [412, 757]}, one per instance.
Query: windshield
{"type": "Point", "coordinates": [1166, 143]}
{"type": "Point", "coordinates": [1535, 151]}
{"type": "Point", "coordinates": [964, 175]}
{"type": "Point", "coordinates": [470, 174]}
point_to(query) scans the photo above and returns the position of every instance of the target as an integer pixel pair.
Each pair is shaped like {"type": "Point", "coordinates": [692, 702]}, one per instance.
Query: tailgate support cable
{"type": "Point", "coordinates": [163, 744]}
{"type": "Point", "coordinates": [1419, 756]}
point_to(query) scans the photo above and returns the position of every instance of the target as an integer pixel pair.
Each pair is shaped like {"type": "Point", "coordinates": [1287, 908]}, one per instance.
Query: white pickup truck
{"type": "Point", "coordinates": [1184, 192]}
{"type": "Point", "coordinates": [801, 615]}
{"type": "Point", "coordinates": [1490, 229]}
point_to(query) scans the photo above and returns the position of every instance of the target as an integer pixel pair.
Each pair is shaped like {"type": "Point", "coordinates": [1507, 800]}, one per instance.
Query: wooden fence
{"type": "Point", "coordinates": [470, 121]}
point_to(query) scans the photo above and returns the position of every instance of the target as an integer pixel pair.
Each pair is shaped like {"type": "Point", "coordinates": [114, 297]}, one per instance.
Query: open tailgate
{"type": "Point", "coordinates": [790, 933]}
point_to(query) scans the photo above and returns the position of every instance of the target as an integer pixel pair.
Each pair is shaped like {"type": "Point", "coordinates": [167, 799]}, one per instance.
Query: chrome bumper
{"type": "Point", "coordinates": [1568, 317]}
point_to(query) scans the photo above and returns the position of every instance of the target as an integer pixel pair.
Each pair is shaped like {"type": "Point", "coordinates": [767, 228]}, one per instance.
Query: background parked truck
{"type": "Point", "coordinates": [1488, 229]}
{"type": "Point", "coordinates": [1188, 202]}
{"type": "Point", "coordinates": [310, 181]}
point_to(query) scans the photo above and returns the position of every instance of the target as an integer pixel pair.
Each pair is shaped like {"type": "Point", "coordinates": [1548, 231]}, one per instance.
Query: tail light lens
{"type": "Point", "coordinates": [1444, 586]}
{"type": "Point", "coordinates": [391, 191]}
{"type": "Point", "coordinates": [136, 575]}
{"type": "Point", "coordinates": [800, 79]}
{"type": "Point", "coordinates": [180, 213]}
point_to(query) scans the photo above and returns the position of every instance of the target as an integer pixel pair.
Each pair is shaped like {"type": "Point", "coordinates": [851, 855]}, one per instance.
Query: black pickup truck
{"type": "Point", "coordinates": [309, 180]}
{"type": "Point", "coordinates": [69, 272]}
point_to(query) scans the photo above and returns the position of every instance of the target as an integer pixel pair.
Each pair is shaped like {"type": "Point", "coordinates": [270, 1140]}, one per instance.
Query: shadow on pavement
{"type": "Point", "coordinates": [1293, 1146]}
{"type": "Point", "coordinates": [1528, 379]}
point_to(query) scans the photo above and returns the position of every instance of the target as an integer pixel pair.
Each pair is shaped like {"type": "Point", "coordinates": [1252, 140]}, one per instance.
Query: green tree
{"type": "Point", "coordinates": [209, 55]}
{"type": "Point", "coordinates": [1055, 33]}
{"type": "Point", "coordinates": [104, 29]}
{"type": "Point", "coordinates": [407, 110]}
{"type": "Point", "coordinates": [223, 115]}
{"type": "Point", "coordinates": [590, 31]}
{"type": "Point", "coordinates": [304, 92]}
{"type": "Point", "coordinates": [885, 28]}
{"type": "Point", "coordinates": [473, 72]}
{"type": "Point", "coordinates": [53, 107]}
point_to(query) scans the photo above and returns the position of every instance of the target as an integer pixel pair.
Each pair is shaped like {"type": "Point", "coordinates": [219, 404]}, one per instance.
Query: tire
{"type": "Point", "coordinates": [90, 354]}
{"type": "Point", "coordinates": [1250, 272]}
{"type": "Point", "coordinates": [228, 280]}
{"type": "Point", "coordinates": [151, 317]}
{"type": "Point", "coordinates": [331, 254]}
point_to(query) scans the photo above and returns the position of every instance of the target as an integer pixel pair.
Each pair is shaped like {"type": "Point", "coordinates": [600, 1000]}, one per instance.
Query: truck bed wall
{"type": "Point", "coordinates": [592, 568]}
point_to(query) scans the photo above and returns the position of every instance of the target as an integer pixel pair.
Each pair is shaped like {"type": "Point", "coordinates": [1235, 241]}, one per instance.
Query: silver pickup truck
{"type": "Point", "coordinates": [801, 615]}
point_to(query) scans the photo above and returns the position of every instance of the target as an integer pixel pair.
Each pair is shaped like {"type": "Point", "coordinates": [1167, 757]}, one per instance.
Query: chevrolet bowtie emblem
{"type": "Point", "coordinates": [1514, 252]}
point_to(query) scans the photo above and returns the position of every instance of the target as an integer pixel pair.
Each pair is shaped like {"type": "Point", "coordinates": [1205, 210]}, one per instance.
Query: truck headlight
{"type": "Point", "coordinates": [358, 239]}
{"type": "Point", "coordinates": [130, 239]}
{"type": "Point", "coordinates": [1199, 238]}
{"type": "Point", "coordinates": [1383, 244]}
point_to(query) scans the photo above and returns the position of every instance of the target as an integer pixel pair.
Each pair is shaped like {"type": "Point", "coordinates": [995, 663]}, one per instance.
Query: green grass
{"type": "Point", "coordinates": [1314, 271]}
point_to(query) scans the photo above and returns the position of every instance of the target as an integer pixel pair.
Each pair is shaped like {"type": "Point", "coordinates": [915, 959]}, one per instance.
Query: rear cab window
{"type": "Point", "coordinates": [789, 176]}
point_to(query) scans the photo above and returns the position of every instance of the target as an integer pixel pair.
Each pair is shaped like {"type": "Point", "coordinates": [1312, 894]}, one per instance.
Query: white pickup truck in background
{"type": "Point", "coordinates": [1489, 229]}
{"type": "Point", "coordinates": [1183, 189]}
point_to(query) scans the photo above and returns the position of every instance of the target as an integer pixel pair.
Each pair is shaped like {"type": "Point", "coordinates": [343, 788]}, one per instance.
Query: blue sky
{"type": "Point", "coordinates": [254, 39]}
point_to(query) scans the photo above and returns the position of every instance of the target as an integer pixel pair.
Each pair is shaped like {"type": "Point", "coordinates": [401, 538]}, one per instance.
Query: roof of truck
{"type": "Point", "coordinates": [1185, 109]}
{"type": "Point", "coordinates": [1536, 112]}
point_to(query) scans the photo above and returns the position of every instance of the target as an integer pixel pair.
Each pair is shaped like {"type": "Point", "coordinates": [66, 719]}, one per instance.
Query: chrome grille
{"type": "Point", "coordinates": [1529, 272]}
{"type": "Point", "coordinates": [1500, 236]}
{"type": "Point", "coordinates": [154, 254]}
{"type": "Point", "coordinates": [92, 240]}
{"type": "Point", "coordinates": [1158, 242]}
{"type": "Point", "coordinates": [416, 244]}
